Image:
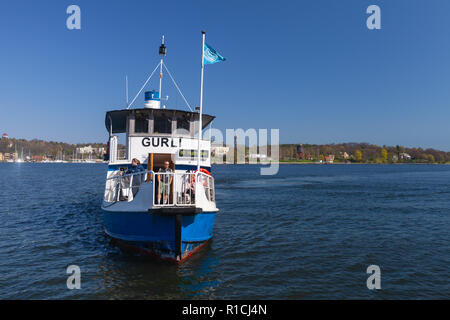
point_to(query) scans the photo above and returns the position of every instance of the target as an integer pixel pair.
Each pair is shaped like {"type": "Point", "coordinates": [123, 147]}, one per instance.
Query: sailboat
{"type": "Point", "coordinates": [19, 159]}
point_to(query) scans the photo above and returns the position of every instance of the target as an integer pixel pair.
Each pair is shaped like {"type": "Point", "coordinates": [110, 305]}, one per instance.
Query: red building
{"type": "Point", "coordinates": [38, 158]}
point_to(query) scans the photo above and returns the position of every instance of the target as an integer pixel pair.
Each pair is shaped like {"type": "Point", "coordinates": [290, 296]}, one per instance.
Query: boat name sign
{"type": "Point", "coordinates": [141, 146]}
{"type": "Point", "coordinates": [160, 142]}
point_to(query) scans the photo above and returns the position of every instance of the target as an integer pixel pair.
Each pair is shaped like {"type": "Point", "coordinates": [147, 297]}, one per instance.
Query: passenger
{"type": "Point", "coordinates": [137, 179]}
{"type": "Point", "coordinates": [164, 182]}
{"type": "Point", "coordinates": [189, 187]}
{"type": "Point", "coordinates": [135, 167]}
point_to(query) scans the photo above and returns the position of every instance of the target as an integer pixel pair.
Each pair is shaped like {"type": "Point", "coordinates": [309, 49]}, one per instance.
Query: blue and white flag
{"type": "Point", "coordinates": [210, 55]}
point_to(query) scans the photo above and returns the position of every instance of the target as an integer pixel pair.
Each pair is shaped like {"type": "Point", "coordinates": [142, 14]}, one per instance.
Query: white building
{"type": "Point", "coordinates": [257, 156]}
{"type": "Point", "coordinates": [90, 150]}
{"type": "Point", "coordinates": [220, 150]}
{"type": "Point", "coordinates": [405, 156]}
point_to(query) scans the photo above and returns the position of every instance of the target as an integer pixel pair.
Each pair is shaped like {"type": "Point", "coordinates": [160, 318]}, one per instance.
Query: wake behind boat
{"type": "Point", "coordinates": [159, 195]}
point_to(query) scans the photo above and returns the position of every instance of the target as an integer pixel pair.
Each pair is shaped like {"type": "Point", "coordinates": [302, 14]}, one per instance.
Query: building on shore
{"type": "Point", "coordinates": [257, 156]}
{"type": "Point", "coordinates": [405, 156]}
{"type": "Point", "coordinates": [38, 158]}
{"type": "Point", "coordinates": [90, 150]}
{"type": "Point", "coordinates": [220, 150]}
{"type": "Point", "coordinates": [219, 153]}
{"type": "Point", "coordinates": [401, 156]}
{"type": "Point", "coordinates": [9, 156]}
{"type": "Point", "coordinates": [329, 158]}
{"type": "Point", "coordinates": [5, 136]}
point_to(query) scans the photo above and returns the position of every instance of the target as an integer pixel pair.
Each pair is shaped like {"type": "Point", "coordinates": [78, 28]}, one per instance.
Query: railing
{"type": "Point", "coordinates": [124, 187]}
{"type": "Point", "coordinates": [174, 189]}
{"type": "Point", "coordinates": [169, 189]}
{"type": "Point", "coordinates": [208, 184]}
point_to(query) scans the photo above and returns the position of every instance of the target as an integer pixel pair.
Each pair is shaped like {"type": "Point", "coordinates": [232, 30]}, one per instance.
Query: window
{"type": "Point", "coordinates": [141, 124]}
{"type": "Point", "coordinates": [121, 148]}
{"type": "Point", "coordinates": [192, 154]}
{"type": "Point", "coordinates": [163, 124]}
{"type": "Point", "coordinates": [183, 123]}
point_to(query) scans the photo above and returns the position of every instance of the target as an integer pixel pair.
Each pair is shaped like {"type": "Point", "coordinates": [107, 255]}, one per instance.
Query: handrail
{"type": "Point", "coordinates": [130, 174]}
{"type": "Point", "coordinates": [179, 192]}
{"type": "Point", "coordinates": [177, 189]}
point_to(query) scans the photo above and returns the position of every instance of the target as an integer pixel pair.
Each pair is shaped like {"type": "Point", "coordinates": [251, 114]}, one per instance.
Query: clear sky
{"type": "Point", "coordinates": [310, 68]}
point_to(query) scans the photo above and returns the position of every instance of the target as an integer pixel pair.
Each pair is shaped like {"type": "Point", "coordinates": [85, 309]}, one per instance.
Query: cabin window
{"type": "Point", "coordinates": [121, 146]}
{"type": "Point", "coordinates": [141, 124]}
{"type": "Point", "coordinates": [192, 154]}
{"type": "Point", "coordinates": [183, 123]}
{"type": "Point", "coordinates": [162, 124]}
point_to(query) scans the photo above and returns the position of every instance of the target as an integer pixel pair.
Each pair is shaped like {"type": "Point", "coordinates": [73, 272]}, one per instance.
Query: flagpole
{"type": "Point", "coordinates": [201, 103]}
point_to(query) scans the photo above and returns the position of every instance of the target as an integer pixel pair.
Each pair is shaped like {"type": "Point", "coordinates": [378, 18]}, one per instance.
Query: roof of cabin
{"type": "Point", "coordinates": [119, 117]}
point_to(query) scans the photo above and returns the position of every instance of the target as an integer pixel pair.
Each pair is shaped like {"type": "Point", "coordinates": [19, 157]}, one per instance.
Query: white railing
{"type": "Point", "coordinates": [174, 189]}
{"type": "Point", "coordinates": [169, 189]}
{"type": "Point", "coordinates": [124, 187]}
{"type": "Point", "coordinates": [208, 184]}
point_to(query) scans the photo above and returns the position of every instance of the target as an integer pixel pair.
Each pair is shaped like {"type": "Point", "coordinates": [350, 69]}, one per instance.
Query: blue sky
{"type": "Point", "coordinates": [310, 68]}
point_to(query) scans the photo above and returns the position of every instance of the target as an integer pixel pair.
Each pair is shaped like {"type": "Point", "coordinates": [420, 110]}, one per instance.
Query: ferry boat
{"type": "Point", "coordinates": [159, 195]}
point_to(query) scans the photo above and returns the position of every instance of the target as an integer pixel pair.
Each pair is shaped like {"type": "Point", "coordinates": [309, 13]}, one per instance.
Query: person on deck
{"type": "Point", "coordinates": [189, 187]}
{"type": "Point", "coordinates": [135, 167]}
{"type": "Point", "coordinates": [137, 179]}
{"type": "Point", "coordinates": [164, 182]}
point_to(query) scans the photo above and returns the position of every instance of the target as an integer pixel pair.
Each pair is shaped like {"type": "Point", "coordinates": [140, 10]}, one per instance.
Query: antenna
{"type": "Point", "coordinates": [162, 53]}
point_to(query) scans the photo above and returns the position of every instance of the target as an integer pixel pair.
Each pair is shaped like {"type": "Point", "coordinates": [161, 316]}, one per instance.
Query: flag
{"type": "Point", "coordinates": [210, 55]}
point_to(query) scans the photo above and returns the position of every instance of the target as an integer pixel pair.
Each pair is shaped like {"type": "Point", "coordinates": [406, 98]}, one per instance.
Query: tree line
{"type": "Point", "coordinates": [343, 152]}
{"type": "Point", "coordinates": [49, 149]}
{"type": "Point", "coordinates": [364, 153]}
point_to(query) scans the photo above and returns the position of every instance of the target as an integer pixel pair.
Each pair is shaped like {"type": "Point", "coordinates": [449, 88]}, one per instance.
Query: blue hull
{"type": "Point", "coordinates": [156, 234]}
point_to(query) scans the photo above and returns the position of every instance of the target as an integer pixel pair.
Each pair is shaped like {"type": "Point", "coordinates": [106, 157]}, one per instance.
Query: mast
{"type": "Point", "coordinates": [201, 103]}
{"type": "Point", "coordinates": [162, 53]}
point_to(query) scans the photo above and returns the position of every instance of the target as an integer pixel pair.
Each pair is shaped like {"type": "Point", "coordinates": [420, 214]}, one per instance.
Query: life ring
{"type": "Point", "coordinates": [204, 171]}
{"type": "Point", "coordinates": [201, 170]}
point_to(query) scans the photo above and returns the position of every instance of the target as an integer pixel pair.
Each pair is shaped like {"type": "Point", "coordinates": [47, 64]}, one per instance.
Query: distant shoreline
{"type": "Point", "coordinates": [337, 163]}
{"type": "Point", "coordinates": [360, 163]}
{"type": "Point", "coordinates": [250, 164]}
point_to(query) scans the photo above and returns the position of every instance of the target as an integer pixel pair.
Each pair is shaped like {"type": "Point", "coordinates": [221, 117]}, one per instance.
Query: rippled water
{"type": "Point", "coordinates": [309, 232]}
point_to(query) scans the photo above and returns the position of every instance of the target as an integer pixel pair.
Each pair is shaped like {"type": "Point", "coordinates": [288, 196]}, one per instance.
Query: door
{"type": "Point", "coordinates": [156, 162]}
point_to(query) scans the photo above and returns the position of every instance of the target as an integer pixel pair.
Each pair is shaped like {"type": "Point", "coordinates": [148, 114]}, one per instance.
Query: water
{"type": "Point", "coordinates": [309, 232]}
